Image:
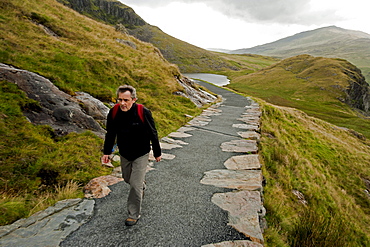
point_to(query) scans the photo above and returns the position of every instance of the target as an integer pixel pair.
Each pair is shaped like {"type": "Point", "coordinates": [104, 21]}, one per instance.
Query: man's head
{"type": "Point", "coordinates": [126, 97]}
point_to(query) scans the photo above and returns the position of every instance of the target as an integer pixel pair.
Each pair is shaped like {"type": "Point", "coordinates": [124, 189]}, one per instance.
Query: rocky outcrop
{"type": "Point", "coordinates": [358, 90]}
{"type": "Point", "coordinates": [187, 57]}
{"type": "Point", "coordinates": [197, 96]}
{"type": "Point", "coordinates": [57, 109]}
{"type": "Point", "coordinates": [112, 11]}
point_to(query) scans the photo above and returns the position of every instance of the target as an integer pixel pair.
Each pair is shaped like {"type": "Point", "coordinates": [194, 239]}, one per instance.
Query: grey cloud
{"type": "Point", "coordinates": [265, 11]}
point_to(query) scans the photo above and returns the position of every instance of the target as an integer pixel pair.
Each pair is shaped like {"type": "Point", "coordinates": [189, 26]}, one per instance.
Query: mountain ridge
{"type": "Point", "coordinates": [332, 41]}
{"type": "Point", "coordinates": [187, 57]}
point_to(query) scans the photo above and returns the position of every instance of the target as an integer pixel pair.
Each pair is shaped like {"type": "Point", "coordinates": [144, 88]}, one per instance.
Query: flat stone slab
{"type": "Point", "coordinates": [243, 162]}
{"type": "Point", "coordinates": [179, 135]}
{"type": "Point", "coordinates": [246, 126]}
{"type": "Point", "coordinates": [236, 243]}
{"type": "Point", "coordinates": [98, 187]}
{"type": "Point", "coordinates": [251, 135]}
{"type": "Point", "coordinates": [251, 114]}
{"type": "Point", "coordinates": [245, 208]}
{"type": "Point", "coordinates": [211, 112]}
{"type": "Point", "coordinates": [168, 146]}
{"type": "Point", "coordinates": [48, 227]}
{"type": "Point", "coordinates": [240, 146]}
{"type": "Point", "coordinates": [173, 141]}
{"type": "Point", "coordinates": [184, 129]}
{"type": "Point", "coordinates": [234, 179]}
{"type": "Point", "coordinates": [199, 122]}
{"type": "Point", "coordinates": [250, 120]}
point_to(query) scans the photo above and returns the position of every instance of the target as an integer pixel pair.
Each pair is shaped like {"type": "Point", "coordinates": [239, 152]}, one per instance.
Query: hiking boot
{"type": "Point", "coordinates": [130, 222]}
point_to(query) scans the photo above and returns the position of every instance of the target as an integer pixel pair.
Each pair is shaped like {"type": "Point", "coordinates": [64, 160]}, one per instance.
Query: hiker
{"type": "Point", "coordinates": [134, 127]}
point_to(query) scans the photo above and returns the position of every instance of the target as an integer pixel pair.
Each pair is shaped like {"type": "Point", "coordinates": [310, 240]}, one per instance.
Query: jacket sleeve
{"type": "Point", "coordinates": [153, 133]}
{"type": "Point", "coordinates": [110, 136]}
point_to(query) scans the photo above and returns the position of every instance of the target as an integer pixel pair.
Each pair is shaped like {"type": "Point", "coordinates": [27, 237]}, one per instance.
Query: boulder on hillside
{"type": "Point", "coordinates": [59, 110]}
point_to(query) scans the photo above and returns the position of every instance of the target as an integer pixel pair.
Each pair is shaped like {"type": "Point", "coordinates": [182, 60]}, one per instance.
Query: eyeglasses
{"type": "Point", "coordinates": [125, 100]}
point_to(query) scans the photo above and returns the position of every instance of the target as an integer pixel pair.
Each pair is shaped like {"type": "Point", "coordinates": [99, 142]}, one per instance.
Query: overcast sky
{"type": "Point", "coordinates": [236, 24]}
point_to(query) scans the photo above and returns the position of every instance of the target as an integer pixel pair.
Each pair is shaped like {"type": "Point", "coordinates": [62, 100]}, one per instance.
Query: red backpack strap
{"type": "Point", "coordinates": [140, 111]}
{"type": "Point", "coordinates": [115, 110]}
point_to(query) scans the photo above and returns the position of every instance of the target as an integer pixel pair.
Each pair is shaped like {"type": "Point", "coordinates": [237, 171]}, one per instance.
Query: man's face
{"type": "Point", "coordinates": [125, 100]}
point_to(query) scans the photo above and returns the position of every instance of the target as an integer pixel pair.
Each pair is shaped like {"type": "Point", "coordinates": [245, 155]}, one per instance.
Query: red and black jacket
{"type": "Point", "coordinates": [134, 135]}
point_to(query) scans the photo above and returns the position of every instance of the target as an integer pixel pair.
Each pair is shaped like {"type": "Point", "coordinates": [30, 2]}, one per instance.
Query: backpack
{"type": "Point", "coordinates": [140, 111]}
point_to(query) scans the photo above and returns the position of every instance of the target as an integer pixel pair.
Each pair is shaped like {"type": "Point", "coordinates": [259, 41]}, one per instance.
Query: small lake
{"type": "Point", "coordinates": [219, 80]}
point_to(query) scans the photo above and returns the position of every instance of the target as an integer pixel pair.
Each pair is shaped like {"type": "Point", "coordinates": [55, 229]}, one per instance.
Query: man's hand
{"type": "Point", "coordinates": [105, 159]}
{"type": "Point", "coordinates": [158, 158]}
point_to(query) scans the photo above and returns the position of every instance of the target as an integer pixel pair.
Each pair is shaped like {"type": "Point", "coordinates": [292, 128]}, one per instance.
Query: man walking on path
{"type": "Point", "coordinates": [134, 128]}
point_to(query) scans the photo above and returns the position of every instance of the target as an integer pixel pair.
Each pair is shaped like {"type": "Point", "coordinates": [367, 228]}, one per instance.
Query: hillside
{"type": "Point", "coordinates": [317, 181]}
{"type": "Point", "coordinates": [330, 89]}
{"type": "Point", "coordinates": [187, 57]}
{"type": "Point", "coordinates": [333, 42]}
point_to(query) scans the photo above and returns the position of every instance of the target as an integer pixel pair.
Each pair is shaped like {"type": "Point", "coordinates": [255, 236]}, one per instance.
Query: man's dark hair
{"type": "Point", "coordinates": [125, 88]}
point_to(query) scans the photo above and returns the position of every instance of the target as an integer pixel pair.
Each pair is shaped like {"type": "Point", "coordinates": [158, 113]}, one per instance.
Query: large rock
{"type": "Point", "coordinates": [243, 162]}
{"type": "Point", "coordinates": [93, 107]}
{"type": "Point", "coordinates": [59, 110]}
{"type": "Point", "coordinates": [245, 210]}
{"type": "Point", "coordinates": [240, 146]}
{"type": "Point", "coordinates": [197, 96]}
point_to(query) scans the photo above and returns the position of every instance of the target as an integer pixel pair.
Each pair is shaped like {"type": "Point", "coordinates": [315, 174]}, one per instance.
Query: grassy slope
{"type": "Point", "coordinates": [326, 164]}
{"type": "Point", "coordinates": [311, 84]}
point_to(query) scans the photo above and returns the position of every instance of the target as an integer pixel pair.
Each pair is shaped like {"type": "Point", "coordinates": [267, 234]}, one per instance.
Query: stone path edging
{"type": "Point", "coordinates": [243, 174]}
